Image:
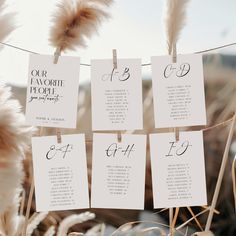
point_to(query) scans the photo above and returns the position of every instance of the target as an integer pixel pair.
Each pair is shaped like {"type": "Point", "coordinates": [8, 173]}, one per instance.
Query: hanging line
{"type": "Point", "coordinates": [26, 50]}
{"type": "Point", "coordinates": [145, 64]}
{"type": "Point", "coordinates": [219, 125]}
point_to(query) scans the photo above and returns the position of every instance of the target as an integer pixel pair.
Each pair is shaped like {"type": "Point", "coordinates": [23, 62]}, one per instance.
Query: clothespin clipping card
{"type": "Point", "coordinates": [57, 54]}
{"type": "Point", "coordinates": [174, 60]}
{"type": "Point", "coordinates": [58, 135]}
{"type": "Point", "coordinates": [174, 53]}
{"type": "Point", "coordinates": [119, 137]}
{"type": "Point", "coordinates": [56, 57]}
{"type": "Point", "coordinates": [114, 55]}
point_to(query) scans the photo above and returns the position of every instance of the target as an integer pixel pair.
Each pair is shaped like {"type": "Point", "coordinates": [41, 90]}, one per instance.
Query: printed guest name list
{"type": "Point", "coordinates": [118, 174]}
{"type": "Point", "coordinates": [60, 173]}
{"type": "Point", "coordinates": [178, 170]}
{"type": "Point", "coordinates": [178, 91]}
{"type": "Point", "coordinates": [116, 95]}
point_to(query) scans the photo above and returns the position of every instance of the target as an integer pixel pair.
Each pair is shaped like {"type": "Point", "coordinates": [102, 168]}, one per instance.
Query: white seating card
{"type": "Point", "coordinates": [52, 92]}
{"type": "Point", "coordinates": [116, 95]}
{"type": "Point", "coordinates": [118, 171]}
{"type": "Point", "coordinates": [178, 170]}
{"type": "Point", "coordinates": [178, 91]}
{"type": "Point", "coordinates": [60, 173]}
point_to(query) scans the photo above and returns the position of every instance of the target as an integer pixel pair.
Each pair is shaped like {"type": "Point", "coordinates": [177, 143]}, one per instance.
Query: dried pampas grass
{"type": "Point", "coordinates": [6, 21]}
{"type": "Point", "coordinates": [34, 221]}
{"type": "Point", "coordinates": [10, 220]}
{"type": "Point", "coordinates": [73, 220]}
{"type": "Point", "coordinates": [96, 230]}
{"type": "Point", "coordinates": [103, 2]}
{"type": "Point", "coordinates": [51, 231]}
{"type": "Point", "coordinates": [14, 141]}
{"type": "Point", "coordinates": [175, 16]}
{"type": "Point", "coordinates": [205, 233]}
{"type": "Point", "coordinates": [74, 23]}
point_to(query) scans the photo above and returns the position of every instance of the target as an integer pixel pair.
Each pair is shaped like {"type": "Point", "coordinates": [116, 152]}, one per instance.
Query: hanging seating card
{"type": "Point", "coordinates": [178, 91]}
{"type": "Point", "coordinates": [116, 95]}
{"type": "Point", "coordinates": [118, 171]}
{"type": "Point", "coordinates": [52, 92]}
{"type": "Point", "coordinates": [178, 170]}
{"type": "Point", "coordinates": [60, 173]}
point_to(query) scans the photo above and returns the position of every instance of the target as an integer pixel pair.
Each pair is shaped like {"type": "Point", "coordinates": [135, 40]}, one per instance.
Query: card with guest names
{"type": "Point", "coordinates": [178, 91]}
{"type": "Point", "coordinates": [52, 92]}
{"type": "Point", "coordinates": [60, 173]}
{"type": "Point", "coordinates": [178, 170]}
{"type": "Point", "coordinates": [118, 171]}
{"type": "Point", "coordinates": [116, 95]}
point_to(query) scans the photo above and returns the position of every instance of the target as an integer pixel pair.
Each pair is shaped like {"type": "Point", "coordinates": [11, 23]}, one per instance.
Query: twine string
{"type": "Point", "coordinates": [144, 64]}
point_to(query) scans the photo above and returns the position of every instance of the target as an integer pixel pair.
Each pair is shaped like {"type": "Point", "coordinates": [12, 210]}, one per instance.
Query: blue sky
{"type": "Point", "coordinates": [136, 30]}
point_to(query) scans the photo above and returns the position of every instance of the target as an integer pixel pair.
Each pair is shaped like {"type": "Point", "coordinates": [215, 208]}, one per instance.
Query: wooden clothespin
{"type": "Point", "coordinates": [114, 54]}
{"type": "Point", "coordinates": [56, 57]}
{"type": "Point", "coordinates": [57, 54]}
{"type": "Point", "coordinates": [176, 131]}
{"type": "Point", "coordinates": [119, 137]}
{"type": "Point", "coordinates": [58, 135]}
{"type": "Point", "coordinates": [174, 60]}
{"type": "Point", "coordinates": [174, 53]}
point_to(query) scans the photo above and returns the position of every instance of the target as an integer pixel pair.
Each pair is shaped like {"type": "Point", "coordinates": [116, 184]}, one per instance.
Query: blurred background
{"type": "Point", "coordinates": [136, 30]}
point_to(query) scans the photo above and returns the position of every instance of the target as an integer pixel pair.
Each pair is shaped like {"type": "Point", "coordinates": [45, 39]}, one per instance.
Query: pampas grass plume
{"type": "Point", "coordinates": [175, 17]}
{"type": "Point", "coordinates": [96, 230]}
{"type": "Point", "coordinates": [73, 220]}
{"type": "Point", "coordinates": [6, 22]}
{"type": "Point", "coordinates": [34, 221]}
{"type": "Point", "coordinates": [14, 141]}
{"type": "Point", "coordinates": [51, 231]}
{"type": "Point", "coordinates": [74, 23]}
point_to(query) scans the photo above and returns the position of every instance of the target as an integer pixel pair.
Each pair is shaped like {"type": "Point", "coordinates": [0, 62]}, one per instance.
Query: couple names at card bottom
{"type": "Point", "coordinates": [118, 171]}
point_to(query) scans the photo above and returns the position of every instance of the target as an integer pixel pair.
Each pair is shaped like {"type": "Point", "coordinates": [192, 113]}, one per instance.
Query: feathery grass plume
{"type": "Point", "coordinates": [13, 221]}
{"type": "Point", "coordinates": [205, 233]}
{"type": "Point", "coordinates": [20, 225]}
{"type": "Point", "coordinates": [175, 16]}
{"type": "Point", "coordinates": [6, 21]}
{"type": "Point", "coordinates": [96, 230]}
{"type": "Point", "coordinates": [75, 234]}
{"type": "Point", "coordinates": [74, 23]}
{"type": "Point", "coordinates": [73, 220]}
{"type": "Point", "coordinates": [103, 2]}
{"type": "Point", "coordinates": [51, 231]}
{"type": "Point", "coordinates": [34, 221]}
{"type": "Point", "coordinates": [2, 230]}
{"type": "Point", "coordinates": [14, 141]}
{"type": "Point", "coordinates": [145, 231]}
